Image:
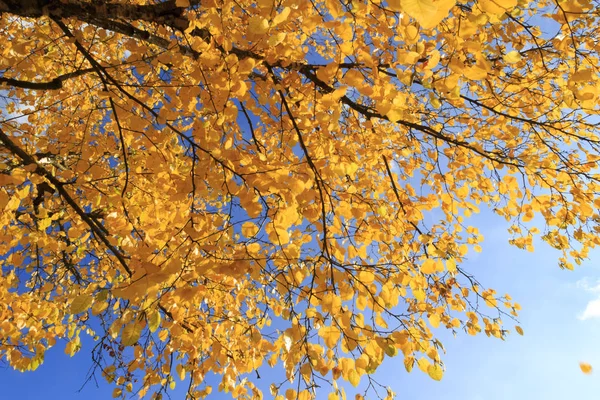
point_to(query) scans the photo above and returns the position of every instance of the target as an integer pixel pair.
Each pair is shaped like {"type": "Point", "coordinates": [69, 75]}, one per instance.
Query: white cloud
{"type": "Point", "coordinates": [587, 286]}
{"type": "Point", "coordinates": [592, 309]}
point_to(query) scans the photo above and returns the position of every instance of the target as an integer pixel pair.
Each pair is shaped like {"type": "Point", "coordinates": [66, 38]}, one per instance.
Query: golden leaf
{"type": "Point", "coordinates": [434, 320]}
{"type": "Point", "coordinates": [249, 229]}
{"type": "Point", "coordinates": [512, 57]}
{"type": "Point", "coordinates": [258, 25]}
{"type": "Point", "coordinates": [282, 16]}
{"type": "Point", "coordinates": [330, 335]}
{"type": "Point", "coordinates": [519, 330]}
{"type": "Point", "coordinates": [131, 333]}
{"type": "Point", "coordinates": [585, 368]}
{"type": "Point", "coordinates": [154, 319]}
{"type": "Point", "coordinates": [180, 369]}
{"type": "Point", "coordinates": [81, 303]}
{"type": "Point", "coordinates": [435, 372]}
{"type": "Point", "coordinates": [353, 378]}
{"type": "Point", "coordinates": [429, 266]}
{"type": "Point", "coordinates": [428, 13]}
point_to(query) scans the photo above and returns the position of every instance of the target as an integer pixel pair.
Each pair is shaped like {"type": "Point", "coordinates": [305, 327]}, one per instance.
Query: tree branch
{"type": "Point", "coordinates": [41, 171]}
{"type": "Point", "coordinates": [54, 84]}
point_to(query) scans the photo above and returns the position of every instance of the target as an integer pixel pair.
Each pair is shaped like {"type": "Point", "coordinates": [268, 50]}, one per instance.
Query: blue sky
{"type": "Point", "coordinates": [542, 364]}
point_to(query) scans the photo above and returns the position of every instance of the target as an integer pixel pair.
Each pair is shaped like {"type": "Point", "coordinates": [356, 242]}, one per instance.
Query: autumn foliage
{"type": "Point", "coordinates": [215, 187]}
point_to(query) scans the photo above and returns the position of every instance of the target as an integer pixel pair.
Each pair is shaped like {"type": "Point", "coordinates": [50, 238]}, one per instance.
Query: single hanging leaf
{"type": "Point", "coordinates": [154, 319]}
{"type": "Point", "coordinates": [585, 368]}
{"type": "Point", "coordinates": [519, 330]}
{"type": "Point", "coordinates": [435, 371]}
{"type": "Point", "coordinates": [180, 369]}
{"type": "Point", "coordinates": [353, 378]}
{"type": "Point", "coordinates": [131, 333]}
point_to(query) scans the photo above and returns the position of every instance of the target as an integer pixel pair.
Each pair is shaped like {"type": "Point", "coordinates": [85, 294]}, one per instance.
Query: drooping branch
{"type": "Point", "coordinates": [59, 186]}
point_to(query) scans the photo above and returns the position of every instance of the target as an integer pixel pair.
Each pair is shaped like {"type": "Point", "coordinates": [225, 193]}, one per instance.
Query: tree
{"type": "Point", "coordinates": [211, 186]}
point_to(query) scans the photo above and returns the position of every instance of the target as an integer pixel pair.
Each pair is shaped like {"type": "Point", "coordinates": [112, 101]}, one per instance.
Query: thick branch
{"type": "Point", "coordinates": [54, 84]}
{"type": "Point", "coordinates": [166, 12]}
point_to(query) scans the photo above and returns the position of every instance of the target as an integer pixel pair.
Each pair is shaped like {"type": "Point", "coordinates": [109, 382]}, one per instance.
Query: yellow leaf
{"type": "Point", "coordinates": [163, 335]}
{"type": "Point", "coordinates": [429, 266]}
{"type": "Point", "coordinates": [258, 25]}
{"type": "Point", "coordinates": [435, 372]}
{"type": "Point", "coordinates": [379, 320]}
{"type": "Point", "coordinates": [444, 7]}
{"type": "Point", "coordinates": [353, 378]}
{"type": "Point", "coordinates": [409, 362]}
{"type": "Point", "coordinates": [283, 237]}
{"type": "Point", "coordinates": [434, 320]}
{"type": "Point", "coordinates": [249, 229]}
{"type": "Point", "coordinates": [73, 346]}
{"type": "Point", "coordinates": [131, 333]}
{"type": "Point", "coordinates": [423, 364]}
{"type": "Point", "coordinates": [99, 307]}
{"type": "Point", "coordinates": [496, 7]}
{"type": "Point", "coordinates": [583, 75]}
{"type": "Point", "coordinates": [419, 294]}
{"type": "Point", "coordinates": [81, 303]}
{"type": "Point", "coordinates": [44, 223]}
{"type": "Point", "coordinates": [277, 38]}
{"type": "Point", "coordinates": [182, 3]}
{"type": "Point", "coordinates": [391, 351]}
{"type": "Point", "coordinates": [330, 335]}
{"type": "Point", "coordinates": [366, 277]}
{"type": "Point", "coordinates": [475, 73]}
{"type": "Point", "coordinates": [421, 10]}
{"type": "Point", "coordinates": [585, 368]}
{"type": "Point", "coordinates": [512, 57]}
{"type": "Point", "coordinates": [490, 301]}
{"type": "Point", "coordinates": [180, 369]}
{"type": "Point", "coordinates": [519, 330]}
{"type": "Point", "coordinates": [394, 5]}
{"type": "Point", "coordinates": [282, 16]}
{"type": "Point", "coordinates": [428, 13]}
{"type": "Point", "coordinates": [154, 320]}
{"type": "Point", "coordinates": [394, 114]}
{"type": "Point", "coordinates": [451, 265]}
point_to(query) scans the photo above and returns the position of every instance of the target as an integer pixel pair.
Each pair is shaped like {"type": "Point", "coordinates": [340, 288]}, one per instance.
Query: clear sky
{"type": "Point", "coordinates": [560, 317]}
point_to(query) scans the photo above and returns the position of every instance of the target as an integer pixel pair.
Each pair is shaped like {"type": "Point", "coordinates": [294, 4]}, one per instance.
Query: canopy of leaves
{"type": "Point", "coordinates": [207, 187]}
